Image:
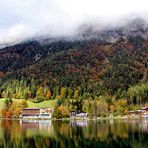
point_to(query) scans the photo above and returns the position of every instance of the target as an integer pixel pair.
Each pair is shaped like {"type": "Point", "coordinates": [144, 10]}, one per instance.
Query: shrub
{"type": "Point", "coordinates": [38, 99]}
{"type": "Point", "coordinates": [61, 112]}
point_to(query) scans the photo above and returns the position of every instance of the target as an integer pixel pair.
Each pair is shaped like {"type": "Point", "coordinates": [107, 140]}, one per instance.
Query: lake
{"type": "Point", "coordinates": [74, 134]}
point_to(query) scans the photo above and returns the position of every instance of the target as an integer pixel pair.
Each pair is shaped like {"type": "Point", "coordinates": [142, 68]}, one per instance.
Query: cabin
{"type": "Point", "coordinates": [73, 114]}
{"type": "Point", "coordinates": [42, 113]}
{"type": "Point", "coordinates": [135, 112]}
{"type": "Point", "coordinates": [145, 111]}
{"type": "Point", "coordinates": [79, 114]}
{"type": "Point", "coordinates": [141, 112]}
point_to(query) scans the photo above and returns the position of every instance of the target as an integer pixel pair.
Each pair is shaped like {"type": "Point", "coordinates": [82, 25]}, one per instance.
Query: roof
{"type": "Point", "coordinates": [131, 111]}
{"type": "Point", "coordinates": [80, 112]}
{"type": "Point", "coordinates": [144, 108]}
{"type": "Point", "coordinates": [134, 111]}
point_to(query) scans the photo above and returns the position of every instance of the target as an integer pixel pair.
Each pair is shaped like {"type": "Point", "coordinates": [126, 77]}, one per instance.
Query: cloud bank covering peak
{"type": "Point", "coordinates": [23, 19]}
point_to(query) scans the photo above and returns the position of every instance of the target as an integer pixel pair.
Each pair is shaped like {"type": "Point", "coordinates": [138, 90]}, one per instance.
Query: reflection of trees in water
{"type": "Point", "coordinates": [11, 133]}
{"type": "Point", "coordinates": [78, 134]}
{"type": "Point", "coordinates": [16, 137]}
{"type": "Point", "coordinates": [104, 134]}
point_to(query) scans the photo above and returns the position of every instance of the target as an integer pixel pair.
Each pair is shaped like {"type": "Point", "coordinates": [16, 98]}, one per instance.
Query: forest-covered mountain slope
{"type": "Point", "coordinates": [97, 63]}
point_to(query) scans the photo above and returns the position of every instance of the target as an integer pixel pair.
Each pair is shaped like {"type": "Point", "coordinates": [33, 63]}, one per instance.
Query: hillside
{"type": "Point", "coordinates": [109, 63]}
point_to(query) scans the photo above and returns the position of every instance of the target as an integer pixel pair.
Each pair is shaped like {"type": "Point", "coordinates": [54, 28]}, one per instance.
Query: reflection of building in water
{"type": "Point", "coordinates": [29, 124]}
{"type": "Point", "coordinates": [37, 124]}
{"type": "Point", "coordinates": [138, 124]}
{"type": "Point", "coordinates": [46, 125]}
{"type": "Point", "coordinates": [35, 127]}
{"type": "Point", "coordinates": [111, 121]}
{"type": "Point", "coordinates": [79, 123]}
{"type": "Point", "coordinates": [145, 125]}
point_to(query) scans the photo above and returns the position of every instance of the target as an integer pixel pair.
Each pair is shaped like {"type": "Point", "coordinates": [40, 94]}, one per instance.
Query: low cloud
{"type": "Point", "coordinates": [22, 19]}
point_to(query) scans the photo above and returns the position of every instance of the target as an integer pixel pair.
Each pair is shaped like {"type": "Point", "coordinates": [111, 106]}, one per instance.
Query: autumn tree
{"type": "Point", "coordinates": [1, 74]}
{"type": "Point", "coordinates": [40, 92]}
{"type": "Point", "coordinates": [48, 94]}
{"type": "Point", "coordinates": [63, 93]}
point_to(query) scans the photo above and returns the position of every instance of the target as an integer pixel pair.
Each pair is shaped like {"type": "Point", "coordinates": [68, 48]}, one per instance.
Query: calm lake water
{"type": "Point", "coordinates": [42, 134]}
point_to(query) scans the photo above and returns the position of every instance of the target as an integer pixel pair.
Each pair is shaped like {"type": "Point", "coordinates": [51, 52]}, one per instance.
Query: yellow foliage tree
{"type": "Point", "coordinates": [112, 108]}
{"type": "Point", "coordinates": [63, 110]}
{"type": "Point", "coordinates": [76, 94]}
{"type": "Point", "coordinates": [40, 92]}
{"type": "Point", "coordinates": [63, 93]}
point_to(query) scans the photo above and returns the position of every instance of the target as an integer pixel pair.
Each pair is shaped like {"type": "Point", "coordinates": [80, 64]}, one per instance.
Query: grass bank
{"type": "Point", "coordinates": [44, 104]}
{"type": "Point", "coordinates": [2, 103]}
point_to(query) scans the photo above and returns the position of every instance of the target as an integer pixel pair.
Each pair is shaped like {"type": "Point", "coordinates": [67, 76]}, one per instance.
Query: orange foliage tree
{"type": "Point", "coordinates": [1, 74]}
{"type": "Point", "coordinates": [49, 94]}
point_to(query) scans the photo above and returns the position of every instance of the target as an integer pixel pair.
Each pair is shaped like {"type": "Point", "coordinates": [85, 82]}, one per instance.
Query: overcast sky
{"type": "Point", "coordinates": [20, 19]}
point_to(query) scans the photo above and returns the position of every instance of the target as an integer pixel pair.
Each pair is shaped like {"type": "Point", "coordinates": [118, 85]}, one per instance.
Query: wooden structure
{"type": "Point", "coordinates": [30, 112]}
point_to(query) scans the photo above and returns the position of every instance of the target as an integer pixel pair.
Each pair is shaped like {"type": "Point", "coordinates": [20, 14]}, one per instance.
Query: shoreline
{"type": "Point", "coordinates": [82, 119]}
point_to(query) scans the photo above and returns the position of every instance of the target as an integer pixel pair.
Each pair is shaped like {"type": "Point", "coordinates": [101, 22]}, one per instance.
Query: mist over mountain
{"type": "Point", "coordinates": [93, 30]}
{"type": "Point", "coordinates": [33, 50]}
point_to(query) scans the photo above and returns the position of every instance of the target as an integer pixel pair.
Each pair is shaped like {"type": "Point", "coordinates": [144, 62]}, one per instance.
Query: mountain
{"type": "Point", "coordinates": [93, 61]}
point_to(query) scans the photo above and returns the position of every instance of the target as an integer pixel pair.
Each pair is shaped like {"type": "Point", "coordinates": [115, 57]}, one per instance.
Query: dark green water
{"type": "Point", "coordinates": [42, 134]}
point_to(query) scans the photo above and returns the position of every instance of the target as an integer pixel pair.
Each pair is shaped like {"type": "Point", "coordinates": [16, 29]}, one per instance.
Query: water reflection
{"type": "Point", "coordinates": [105, 133]}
